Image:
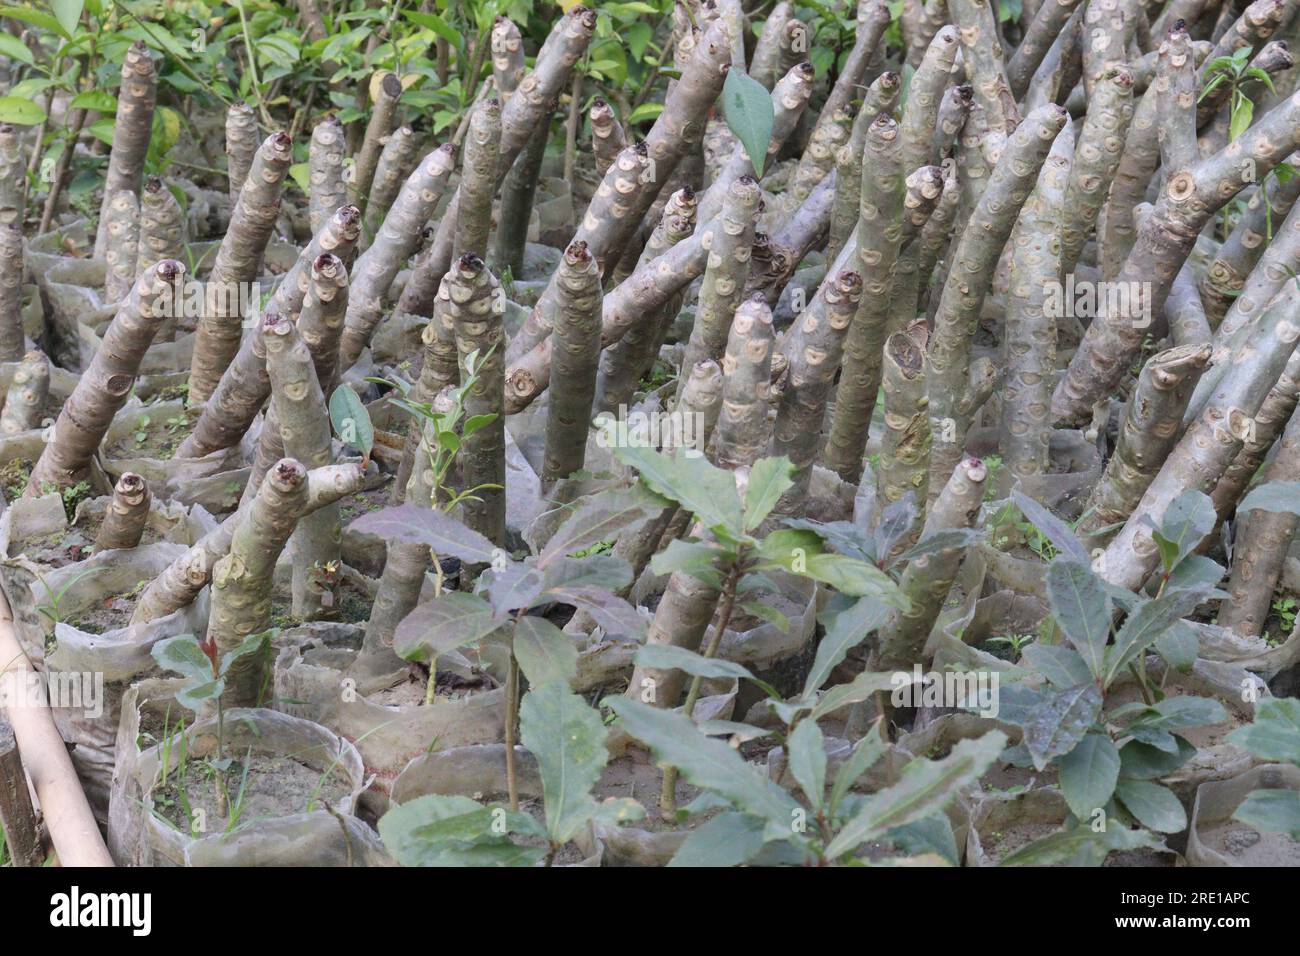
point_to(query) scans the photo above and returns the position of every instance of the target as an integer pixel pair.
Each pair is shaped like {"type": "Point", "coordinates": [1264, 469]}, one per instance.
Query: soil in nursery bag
{"type": "Point", "coordinates": [257, 786]}
{"type": "Point", "coordinates": [353, 603]}
{"type": "Point", "coordinates": [288, 760]}
{"type": "Point", "coordinates": [1216, 839]}
{"type": "Point", "coordinates": [157, 434]}
{"type": "Point", "coordinates": [1246, 846]}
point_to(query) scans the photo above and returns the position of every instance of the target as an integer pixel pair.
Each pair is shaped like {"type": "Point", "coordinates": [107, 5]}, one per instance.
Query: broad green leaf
{"type": "Point", "coordinates": [845, 631]}
{"type": "Point", "coordinates": [855, 578]}
{"type": "Point", "coordinates": [1060, 721]}
{"type": "Point", "coordinates": [1186, 522]}
{"type": "Point", "coordinates": [769, 479]}
{"type": "Point", "coordinates": [37, 18]}
{"type": "Point", "coordinates": [706, 763]}
{"type": "Point", "coordinates": [184, 656]}
{"type": "Point", "coordinates": [1282, 497]}
{"type": "Point", "coordinates": [568, 739]}
{"type": "Point", "coordinates": [807, 754]}
{"type": "Point", "coordinates": [747, 107]}
{"type": "Point", "coordinates": [15, 49]}
{"type": "Point", "coordinates": [611, 612]}
{"type": "Point", "coordinates": [1088, 774]}
{"type": "Point", "coordinates": [800, 552]}
{"type": "Point", "coordinates": [195, 695]}
{"type": "Point", "coordinates": [517, 585]}
{"type": "Point", "coordinates": [925, 787]}
{"type": "Point", "coordinates": [413, 524]}
{"type": "Point", "coordinates": [68, 13]}
{"type": "Point", "coordinates": [646, 111]}
{"type": "Point", "coordinates": [698, 559]}
{"type": "Point", "coordinates": [707, 492]}
{"type": "Point", "coordinates": [844, 536]}
{"type": "Point", "coordinates": [351, 420]}
{"type": "Point", "coordinates": [1141, 761]}
{"type": "Point", "coordinates": [1196, 571]}
{"type": "Point", "coordinates": [249, 645]}
{"type": "Point", "coordinates": [1081, 846]}
{"type": "Point", "coordinates": [1154, 806]}
{"type": "Point", "coordinates": [1275, 733]}
{"type": "Point", "coordinates": [1061, 665]}
{"type": "Point", "coordinates": [438, 25]}
{"type": "Point", "coordinates": [729, 839]}
{"type": "Point", "coordinates": [20, 112]}
{"type": "Point", "coordinates": [545, 654]}
{"type": "Point", "coordinates": [593, 571]}
{"type": "Point", "coordinates": [449, 621]}
{"type": "Point", "coordinates": [1180, 713]}
{"type": "Point", "coordinates": [1274, 811]}
{"type": "Point", "coordinates": [601, 517]}
{"type": "Point", "coordinates": [1081, 609]}
{"type": "Point", "coordinates": [301, 175]}
{"type": "Point", "coordinates": [96, 100]}
{"type": "Point", "coordinates": [1179, 646]}
{"type": "Point", "coordinates": [932, 834]}
{"type": "Point", "coordinates": [1243, 112]}
{"type": "Point", "coordinates": [665, 656]}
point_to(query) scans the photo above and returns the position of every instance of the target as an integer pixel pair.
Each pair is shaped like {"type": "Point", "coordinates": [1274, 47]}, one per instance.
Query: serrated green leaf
{"type": "Point", "coordinates": [602, 517]}
{"type": "Point", "coordinates": [666, 656]}
{"type": "Point", "coordinates": [707, 492]}
{"type": "Point", "coordinates": [706, 763]}
{"type": "Point", "coordinates": [413, 524]}
{"type": "Point", "coordinates": [925, 787]}
{"type": "Point", "coordinates": [1081, 846]}
{"type": "Point", "coordinates": [451, 620]}
{"type": "Point", "coordinates": [568, 739]}
{"type": "Point", "coordinates": [1144, 625]}
{"type": "Point", "coordinates": [865, 755]}
{"type": "Point", "coordinates": [845, 631]}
